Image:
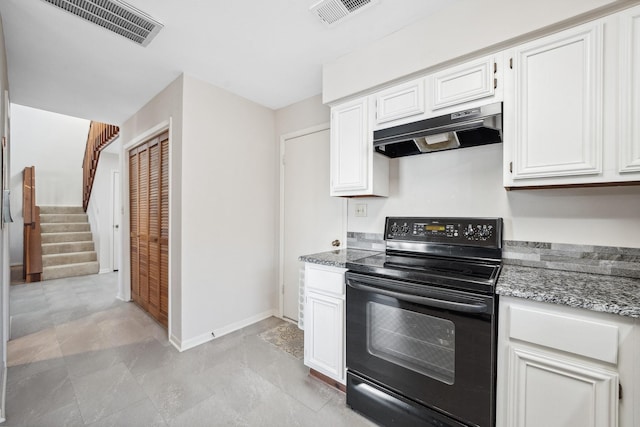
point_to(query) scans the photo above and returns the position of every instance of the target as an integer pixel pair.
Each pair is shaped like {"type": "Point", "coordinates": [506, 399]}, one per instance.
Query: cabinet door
{"type": "Point", "coordinates": [557, 105]}
{"type": "Point", "coordinates": [399, 102]}
{"type": "Point", "coordinates": [464, 83]}
{"type": "Point", "coordinates": [547, 391]}
{"type": "Point", "coordinates": [324, 335]}
{"type": "Point", "coordinates": [350, 148]}
{"type": "Point", "coordinates": [630, 91]}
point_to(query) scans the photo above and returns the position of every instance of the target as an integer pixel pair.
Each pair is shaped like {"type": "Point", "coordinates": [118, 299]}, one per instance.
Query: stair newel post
{"type": "Point", "coordinates": [32, 241]}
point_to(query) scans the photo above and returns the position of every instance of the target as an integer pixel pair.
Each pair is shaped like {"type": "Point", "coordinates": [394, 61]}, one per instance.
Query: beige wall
{"type": "Point", "coordinates": [301, 115]}
{"type": "Point", "coordinates": [229, 202]}
{"type": "Point", "coordinates": [224, 197]}
{"type": "Point", "coordinates": [167, 105]}
{"type": "Point", "coordinates": [466, 27]}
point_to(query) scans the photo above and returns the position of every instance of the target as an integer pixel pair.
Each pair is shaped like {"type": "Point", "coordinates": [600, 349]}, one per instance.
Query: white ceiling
{"type": "Point", "coordinates": [269, 51]}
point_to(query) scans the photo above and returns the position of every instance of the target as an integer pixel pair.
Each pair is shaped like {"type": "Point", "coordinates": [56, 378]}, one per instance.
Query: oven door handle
{"type": "Point", "coordinates": [478, 307]}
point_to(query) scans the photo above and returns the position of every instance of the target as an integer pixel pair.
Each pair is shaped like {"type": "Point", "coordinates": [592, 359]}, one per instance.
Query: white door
{"type": "Point", "coordinates": [311, 219]}
{"type": "Point", "coordinates": [115, 260]}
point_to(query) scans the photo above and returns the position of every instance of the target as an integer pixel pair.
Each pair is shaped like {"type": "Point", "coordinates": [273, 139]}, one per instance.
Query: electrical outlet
{"type": "Point", "coordinates": [361, 209]}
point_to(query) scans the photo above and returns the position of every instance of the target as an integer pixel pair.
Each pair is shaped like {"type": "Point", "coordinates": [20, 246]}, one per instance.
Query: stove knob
{"type": "Point", "coordinates": [469, 232]}
{"type": "Point", "coordinates": [394, 228]}
{"type": "Point", "coordinates": [404, 228]}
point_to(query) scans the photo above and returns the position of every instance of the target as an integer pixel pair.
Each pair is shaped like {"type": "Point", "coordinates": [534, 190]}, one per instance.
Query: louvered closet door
{"type": "Point", "coordinates": [149, 198]}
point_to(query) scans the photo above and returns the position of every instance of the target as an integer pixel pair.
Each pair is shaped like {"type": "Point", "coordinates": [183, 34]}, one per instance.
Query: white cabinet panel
{"type": "Point", "coordinates": [325, 279]}
{"type": "Point", "coordinates": [324, 317]}
{"type": "Point", "coordinates": [324, 335]}
{"type": "Point", "coordinates": [547, 391]}
{"type": "Point", "coordinates": [349, 145]}
{"type": "Point", "coordinates": [557, 104]}
{"type": "Point", "coordinates": [355, 169]}
{"type": "Point", "coordinates": [630, 91]}
{"type": "Point", "coordinates": [399, 102]}
{"type": "Point", "coordinates": [583, 337]}
{"type": "Point", "coordinates": [560, 366]}
{"type": "Point", "coordinates": [464, 83]}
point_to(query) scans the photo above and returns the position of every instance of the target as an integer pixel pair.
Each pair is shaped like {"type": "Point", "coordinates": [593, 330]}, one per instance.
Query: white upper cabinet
{"type": "Point", "coordinates": [556, 105]}
{"type": "Point", "coordinates": [464, 83]}
{"type": "Point", "coordinates": [571, 104]}
{"type": "Point", "coordinates": [355, 169]}
{"type": "Point", "coordinates": [399, 104]}
{"type": "Point", "coordinates": [630, 91]}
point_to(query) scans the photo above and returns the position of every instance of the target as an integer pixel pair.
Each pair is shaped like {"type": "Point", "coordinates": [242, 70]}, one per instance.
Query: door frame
{"type": "Point", "coordinates": [283, 139]}
{"type": "Point", "coordinates": [112, 239]}
{"type": "Point", "coordinates": [124, 273]}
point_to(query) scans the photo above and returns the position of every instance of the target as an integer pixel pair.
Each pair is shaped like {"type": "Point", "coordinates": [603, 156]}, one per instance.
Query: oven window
{"type": "Point", "coordinates": [416, 341]}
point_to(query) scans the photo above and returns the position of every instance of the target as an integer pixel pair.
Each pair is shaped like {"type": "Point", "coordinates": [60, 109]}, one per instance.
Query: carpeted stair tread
{"type": "Point", "coordinates": [63, 227]}
{"type": "Point", "coordinates": [61, 210]}
{"type": "Point", "coordinates": [67, 243]}
{"type": "Point", "coordinates": [75, 236]}
{"type": "Point", "coordinates": [66, 247]}
{"type": "Point", "coordinates": [70, 270]}
{"type": "Point", "coordinates": [58, 218]}
{"type": "Point", "coordinates": [68, 258]}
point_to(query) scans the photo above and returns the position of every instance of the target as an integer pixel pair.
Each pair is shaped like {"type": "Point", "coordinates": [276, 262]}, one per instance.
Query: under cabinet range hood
{"type": "Point", "coordinates": [466, 128]}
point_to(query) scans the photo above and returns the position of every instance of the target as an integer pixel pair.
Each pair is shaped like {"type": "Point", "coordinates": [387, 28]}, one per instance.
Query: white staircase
{"type": "Point", "coordinates": [67, 243]}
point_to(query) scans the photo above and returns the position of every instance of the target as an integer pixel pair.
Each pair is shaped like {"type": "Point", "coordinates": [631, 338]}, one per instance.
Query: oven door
{"type": "Point", "coordinates": [431, 345]}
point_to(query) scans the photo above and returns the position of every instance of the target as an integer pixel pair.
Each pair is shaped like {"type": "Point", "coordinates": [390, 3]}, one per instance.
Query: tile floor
{"type": "Point", "coordinates": [78, 357]}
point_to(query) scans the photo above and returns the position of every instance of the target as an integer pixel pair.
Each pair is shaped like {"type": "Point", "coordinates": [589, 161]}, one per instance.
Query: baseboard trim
{"type": "Point", "coordinates": [217, 333]}
{"type": "Point", "coordinates": [122, 298]}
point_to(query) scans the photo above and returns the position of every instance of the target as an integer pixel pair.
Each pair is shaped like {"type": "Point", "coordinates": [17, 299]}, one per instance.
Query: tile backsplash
{"type": "Point", "coordinates": [369, 241]}
{"type": "Point", "coordinates": [615, 261]}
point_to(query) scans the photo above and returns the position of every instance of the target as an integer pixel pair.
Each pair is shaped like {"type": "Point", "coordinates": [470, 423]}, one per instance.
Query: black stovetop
{"type": "Point", "coordinates": [470, 275]}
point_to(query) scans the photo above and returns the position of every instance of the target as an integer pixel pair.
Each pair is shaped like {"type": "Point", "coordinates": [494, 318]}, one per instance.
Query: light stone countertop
{"type": "Point", "coordinates": [596, 292]}
{"type": "Point", "coordinates": [337, 258]}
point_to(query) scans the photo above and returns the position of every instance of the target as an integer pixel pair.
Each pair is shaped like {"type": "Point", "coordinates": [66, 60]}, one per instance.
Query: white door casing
{"type": "Point", "coordinates": [116, 241]}
{"type": "Point", "coordinates": [310, 220]}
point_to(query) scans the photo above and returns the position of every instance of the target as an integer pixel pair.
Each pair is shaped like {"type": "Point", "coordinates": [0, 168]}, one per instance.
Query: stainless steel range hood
{"type": "Point", "coordinates": [467, 128]}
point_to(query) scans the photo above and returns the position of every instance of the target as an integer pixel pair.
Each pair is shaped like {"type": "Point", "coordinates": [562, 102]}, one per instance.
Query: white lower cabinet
{"type": "Point", "coordinates": [564, 367]}
{"type": "Point", "coordinates": [324, 317]}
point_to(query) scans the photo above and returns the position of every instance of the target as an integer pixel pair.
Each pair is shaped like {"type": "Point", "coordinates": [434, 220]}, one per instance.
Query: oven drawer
{"type": "Point", "coordinates": [325, 279]}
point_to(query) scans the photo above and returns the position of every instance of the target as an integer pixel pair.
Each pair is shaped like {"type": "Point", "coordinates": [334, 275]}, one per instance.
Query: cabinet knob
{"type": "Point", "coordinates": [335, 243]}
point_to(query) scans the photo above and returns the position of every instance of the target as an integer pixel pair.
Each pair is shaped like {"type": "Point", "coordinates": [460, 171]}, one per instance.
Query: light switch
{"type": "Point", "coordinates": [361, 209]}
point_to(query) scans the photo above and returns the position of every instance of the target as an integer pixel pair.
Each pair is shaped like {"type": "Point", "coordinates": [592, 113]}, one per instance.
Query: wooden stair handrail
{"type": "Point", "coordinates": [100, 135]}
{"type": "Point", "coordinates": [32, 244]}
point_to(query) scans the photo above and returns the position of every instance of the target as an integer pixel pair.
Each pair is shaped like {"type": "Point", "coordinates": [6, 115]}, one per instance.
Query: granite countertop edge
{"type": "Point", "coordinates": [337, 258]}
{"type": "Point", "coordinates": [595, 292]}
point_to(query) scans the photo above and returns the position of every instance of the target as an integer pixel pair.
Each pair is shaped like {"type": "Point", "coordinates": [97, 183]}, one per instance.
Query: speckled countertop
{"type": "Point", "coordinates": [597, 292]}
{"type": "Point", "coordinates": [337, 258]}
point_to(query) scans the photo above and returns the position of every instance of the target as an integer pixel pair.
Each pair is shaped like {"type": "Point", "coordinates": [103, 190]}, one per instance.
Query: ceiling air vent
{"type": "Point", "coordinates": [114, 15]}
{"type": "Point", "coordinates": [332, 11]}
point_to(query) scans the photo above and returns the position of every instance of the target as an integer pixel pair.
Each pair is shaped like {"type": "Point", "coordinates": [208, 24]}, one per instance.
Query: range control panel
{"type": "Point", "coordinates": [467, 231]}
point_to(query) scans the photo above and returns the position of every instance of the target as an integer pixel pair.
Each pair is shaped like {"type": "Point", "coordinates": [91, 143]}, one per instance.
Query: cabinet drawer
{"type": "Point", "coordinates": [575, 335]}
{"type": "Point", "coordinates": [325, 279]}
{"type": "Point", "coordinates": [464, 83]}
{"type": "Point", "coordinates": [398, 102]}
